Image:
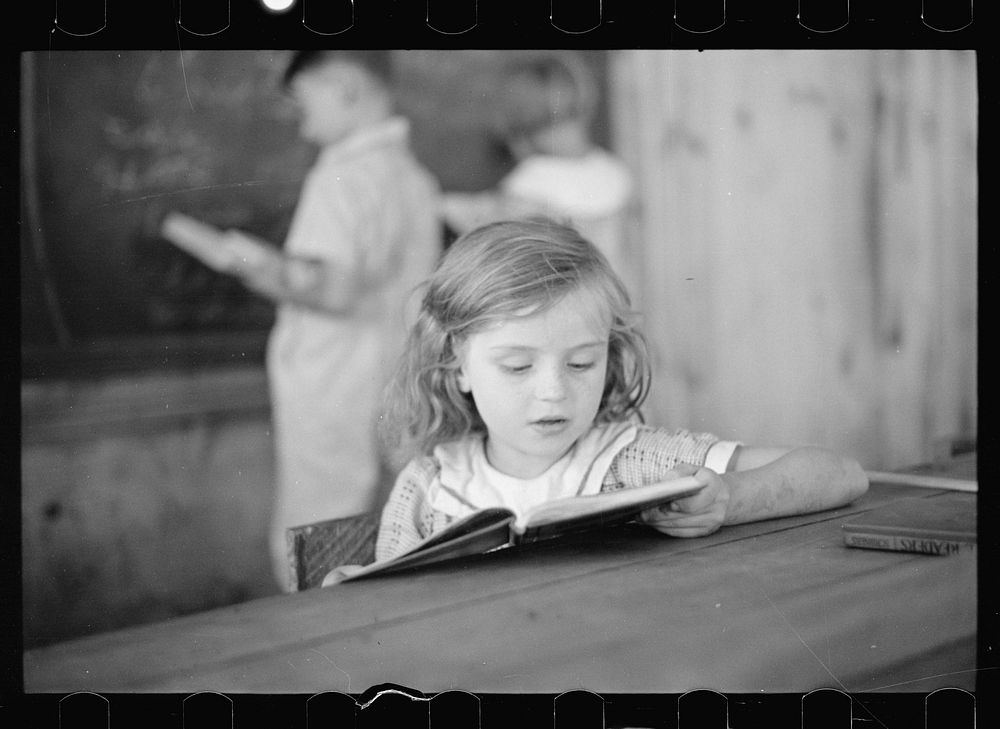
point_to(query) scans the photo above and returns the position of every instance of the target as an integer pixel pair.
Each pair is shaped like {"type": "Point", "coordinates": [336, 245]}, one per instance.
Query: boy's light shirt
{"type": "Point", "coordinates": [325, 224]}
{"type": "Point", "coordinates": [467, 482]}
{"type": "Point", "coordinates": [365, 204]}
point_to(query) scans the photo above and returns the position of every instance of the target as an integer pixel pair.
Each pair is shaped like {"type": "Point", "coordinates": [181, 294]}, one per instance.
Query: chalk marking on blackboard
{"type": "Point", "coordinates": [167, 193]}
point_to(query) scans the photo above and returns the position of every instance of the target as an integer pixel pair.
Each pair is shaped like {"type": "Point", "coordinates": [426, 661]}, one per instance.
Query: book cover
{"type": "Point", "coordinates": [497, 528]}
{"type": "Point", "coordinates": [936, 525]}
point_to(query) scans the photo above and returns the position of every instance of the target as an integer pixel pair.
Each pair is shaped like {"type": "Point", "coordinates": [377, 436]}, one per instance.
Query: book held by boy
{"type": "Point", "coordinates": [207, 243]}
{"type": "Point", "coordinates": [936, 525]}
{"type": "Point", "coordinates": [497, 528]}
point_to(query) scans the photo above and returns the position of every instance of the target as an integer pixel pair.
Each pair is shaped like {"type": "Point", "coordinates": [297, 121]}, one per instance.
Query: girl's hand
{"type": "Point", "coordinates": [696, 515]}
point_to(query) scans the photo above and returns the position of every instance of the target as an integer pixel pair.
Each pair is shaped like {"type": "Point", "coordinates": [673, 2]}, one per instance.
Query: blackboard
{"type": "Point", "coordinates": [116, 140]}
{"type": "Point", "coordinates": [112, 140]}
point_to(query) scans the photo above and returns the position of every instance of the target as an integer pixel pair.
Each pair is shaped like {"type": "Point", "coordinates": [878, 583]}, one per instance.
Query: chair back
{"type": "Point", "coordinates": [315, 549]}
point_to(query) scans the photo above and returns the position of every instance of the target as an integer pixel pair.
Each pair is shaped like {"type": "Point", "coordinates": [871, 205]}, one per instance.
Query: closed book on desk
{"type": "Point", "coordinates": [497, 528]}
{"type": "Point", "coordinates": [937, 525]}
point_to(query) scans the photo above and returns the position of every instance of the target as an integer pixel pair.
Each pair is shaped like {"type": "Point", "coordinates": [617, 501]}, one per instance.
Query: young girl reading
{"type": "Point", "coordinates": [522, 383]}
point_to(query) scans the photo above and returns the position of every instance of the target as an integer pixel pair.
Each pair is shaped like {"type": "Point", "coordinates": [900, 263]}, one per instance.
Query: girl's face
{"type": "Point", "coordinates": [537, 382]}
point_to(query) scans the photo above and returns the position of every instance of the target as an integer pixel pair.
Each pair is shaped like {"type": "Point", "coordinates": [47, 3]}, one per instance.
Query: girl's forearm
{"type": "Point", "coordinates": [802, 480]}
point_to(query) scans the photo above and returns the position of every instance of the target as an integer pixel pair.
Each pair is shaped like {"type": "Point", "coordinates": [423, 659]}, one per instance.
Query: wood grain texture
{"type": "Point", "coordinates": [774, 606]}
{"type": "Point", "coordinates": [804, 243]}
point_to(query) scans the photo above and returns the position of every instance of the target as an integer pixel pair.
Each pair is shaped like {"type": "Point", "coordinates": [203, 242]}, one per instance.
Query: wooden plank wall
{"type": "Point", "coordinates": [804, 243]}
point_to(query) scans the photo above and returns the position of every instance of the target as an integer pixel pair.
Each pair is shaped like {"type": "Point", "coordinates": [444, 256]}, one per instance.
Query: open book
{"type": "Point", "coordinates": [497, 528]}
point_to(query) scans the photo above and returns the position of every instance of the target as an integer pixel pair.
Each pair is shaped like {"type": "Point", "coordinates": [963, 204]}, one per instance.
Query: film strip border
{"type": "Point", "coordinates": [397, 706]}
{"type": "Point", "coordinates": [674, 23]}
{"type": "Point", "coordinates": [500, 23]}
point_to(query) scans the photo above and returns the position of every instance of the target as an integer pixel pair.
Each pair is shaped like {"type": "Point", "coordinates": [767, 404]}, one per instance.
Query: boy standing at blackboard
{"type": "Point", "coordinates": [364, 234]}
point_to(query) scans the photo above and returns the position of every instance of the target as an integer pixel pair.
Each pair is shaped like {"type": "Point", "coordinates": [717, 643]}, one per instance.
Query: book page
{"type": "Point", "coordinates": [610, 505]}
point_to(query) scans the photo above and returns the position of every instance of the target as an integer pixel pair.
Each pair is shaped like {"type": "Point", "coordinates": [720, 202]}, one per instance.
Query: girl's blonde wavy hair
{"type": "Point", "coordinates": [494, 273]}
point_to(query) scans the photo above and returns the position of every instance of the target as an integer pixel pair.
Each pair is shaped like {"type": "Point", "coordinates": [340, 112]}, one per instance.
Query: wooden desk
{"type": "Point", "coordinates": [778, 606]}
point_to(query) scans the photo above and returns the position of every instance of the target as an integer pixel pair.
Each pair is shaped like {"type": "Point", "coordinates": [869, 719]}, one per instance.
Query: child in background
{"type": "Point", "coordinates": [364, 234]}
{"type": "Point", "coordinates": [547, 104]}
{"type": "Point", "coordinates": [522, 383]}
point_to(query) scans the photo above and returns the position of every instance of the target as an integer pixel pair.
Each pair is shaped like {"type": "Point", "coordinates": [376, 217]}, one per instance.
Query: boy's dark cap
{"type": "Point", "coordinates": [377, 62]}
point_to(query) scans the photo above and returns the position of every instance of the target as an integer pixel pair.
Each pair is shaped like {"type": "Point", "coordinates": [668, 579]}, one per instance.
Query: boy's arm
{"type": "Point", "coordinates": [313, 283]}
